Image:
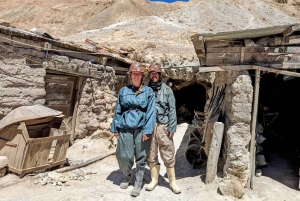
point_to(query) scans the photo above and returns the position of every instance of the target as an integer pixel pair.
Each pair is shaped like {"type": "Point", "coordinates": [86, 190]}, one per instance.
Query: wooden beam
{"type": "Point", "coordinates": [214, 152]}
{"type": "Point", "coordinates": [291, 30]}
{"type": "Point", "coordinates": [288, 40]}
{"type": "Point", "coordinates": [253, 127]}
{"type": "Point", "coordinates": [79, 89]}
{"type": "Point", "coordinates": [283, 72]}
{"type": "Point", "coordinates": [224, 68]}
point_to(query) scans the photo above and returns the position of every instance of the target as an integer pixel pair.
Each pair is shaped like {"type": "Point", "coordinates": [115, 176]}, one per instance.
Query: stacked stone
{"type": "Point", "coordinates": [96, 107]}
{"type": "Point", "coordinates": [237, 106]}
{"type": "Point", "coordinates": [20, 85]}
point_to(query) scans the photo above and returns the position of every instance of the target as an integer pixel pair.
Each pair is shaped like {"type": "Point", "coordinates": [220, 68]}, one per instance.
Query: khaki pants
{"type": "Point", "coordinates": [162, 142]}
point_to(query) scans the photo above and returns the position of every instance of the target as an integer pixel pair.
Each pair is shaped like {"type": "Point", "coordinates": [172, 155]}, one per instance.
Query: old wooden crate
{"type": "Point", "coordinates": [33, 145]}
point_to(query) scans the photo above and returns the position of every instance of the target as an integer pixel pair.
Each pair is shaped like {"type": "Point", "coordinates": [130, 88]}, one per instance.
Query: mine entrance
{"type": "Point", "coordinates": [278, 120]}
{"type": "Point", "coordinates": [189, 99]}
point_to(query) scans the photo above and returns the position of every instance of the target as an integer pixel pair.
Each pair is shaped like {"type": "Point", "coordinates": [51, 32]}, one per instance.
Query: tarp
{"type": "Point", "coordinates": [27, 113]}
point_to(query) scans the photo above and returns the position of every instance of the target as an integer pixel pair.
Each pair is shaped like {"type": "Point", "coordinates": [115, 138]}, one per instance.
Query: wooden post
{"type": "Point", "coordinates": [78, 94]}
{"type": "Point", "coordinates": [253, 128]}
{"type": "Point", "coordinates": [214, 152]}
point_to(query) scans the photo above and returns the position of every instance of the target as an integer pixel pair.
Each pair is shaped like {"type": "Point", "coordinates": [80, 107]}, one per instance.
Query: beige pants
{"type": "Point", "coordinates": [161, 141]}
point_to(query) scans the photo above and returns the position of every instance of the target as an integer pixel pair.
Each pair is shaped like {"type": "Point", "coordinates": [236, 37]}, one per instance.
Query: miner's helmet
{"type": "Point", "coordinates": [154, 67]}
{"type": "Point", "coordinates": [136, 67]}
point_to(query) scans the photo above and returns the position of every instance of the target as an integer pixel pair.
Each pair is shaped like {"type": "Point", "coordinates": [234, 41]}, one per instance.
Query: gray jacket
{"type": "Point", "coordinates": [166, 108]}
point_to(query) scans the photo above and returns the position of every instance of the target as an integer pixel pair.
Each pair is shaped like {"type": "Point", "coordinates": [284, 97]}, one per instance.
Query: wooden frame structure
{"type": "Point", "coordinates": [273, 49]}
{"type": "Point", "coordinates": [28, 153]}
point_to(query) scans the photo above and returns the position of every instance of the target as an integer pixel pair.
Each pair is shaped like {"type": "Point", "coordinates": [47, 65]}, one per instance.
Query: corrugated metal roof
{"type": "Point", "coordinates": [243, 34]}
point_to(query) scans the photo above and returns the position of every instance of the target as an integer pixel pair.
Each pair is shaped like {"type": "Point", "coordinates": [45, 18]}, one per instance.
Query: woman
{"type": "Point", "coordinates": [133, 124]}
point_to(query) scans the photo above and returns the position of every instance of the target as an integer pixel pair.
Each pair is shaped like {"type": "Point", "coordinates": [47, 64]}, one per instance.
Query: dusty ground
{"type": "Point", "coordinates": [276, 184]}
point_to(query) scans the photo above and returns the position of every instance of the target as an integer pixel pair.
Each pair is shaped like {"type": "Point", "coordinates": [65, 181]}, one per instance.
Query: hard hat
{"type": "Point", "coordinates": [154, 67]}
{"type": "Point", "coordinates": [136, 67]}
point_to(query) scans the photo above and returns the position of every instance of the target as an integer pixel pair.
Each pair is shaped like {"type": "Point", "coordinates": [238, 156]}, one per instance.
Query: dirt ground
{"type": "Point", "coordinates": [277, 183]}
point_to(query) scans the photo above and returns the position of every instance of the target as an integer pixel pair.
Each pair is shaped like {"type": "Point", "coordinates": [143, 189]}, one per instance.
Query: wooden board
{"type": "Point", "coordinates": [214, 152]}
{"type": "Point", "coordinates": [60, 93]}
{"type": "Point", "coordinates": [288, 40]}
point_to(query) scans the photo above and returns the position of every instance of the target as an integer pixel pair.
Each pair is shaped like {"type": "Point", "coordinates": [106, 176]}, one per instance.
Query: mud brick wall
{"type": "Point", "coordinates": [20, 85]}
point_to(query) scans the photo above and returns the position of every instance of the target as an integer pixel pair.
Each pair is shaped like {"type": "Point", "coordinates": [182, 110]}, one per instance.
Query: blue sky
{"type": "Point", "coordinates": [170, 1]}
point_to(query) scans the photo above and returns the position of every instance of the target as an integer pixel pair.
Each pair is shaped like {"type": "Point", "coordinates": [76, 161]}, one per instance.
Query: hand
{"type": "Point", "coordinates": [171, 134]}
{"type": "Point", "coordinates": [145, 137]}
{"type": "Point", "coordinates": [116, 135]}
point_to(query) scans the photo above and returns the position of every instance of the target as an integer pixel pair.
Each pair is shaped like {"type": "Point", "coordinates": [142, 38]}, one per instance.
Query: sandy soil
{"type": "Point", "coordinates": [275, 184]}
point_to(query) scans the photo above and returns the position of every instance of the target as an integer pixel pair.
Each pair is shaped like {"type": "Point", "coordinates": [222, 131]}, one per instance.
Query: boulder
{"type": "Point", "coordinates": [3, 161]}
{"type": "Point", "coordinates": [99, 134]}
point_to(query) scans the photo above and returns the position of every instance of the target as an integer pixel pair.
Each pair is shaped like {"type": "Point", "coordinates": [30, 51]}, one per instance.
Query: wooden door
{"type": "Point", "coordinates": [60, 93]}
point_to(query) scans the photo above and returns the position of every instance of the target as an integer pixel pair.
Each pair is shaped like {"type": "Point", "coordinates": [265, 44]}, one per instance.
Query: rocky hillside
{"type": "Point", "coordinates": [65, 17]}
{"type": "Point", "coordinates": [155, 31]}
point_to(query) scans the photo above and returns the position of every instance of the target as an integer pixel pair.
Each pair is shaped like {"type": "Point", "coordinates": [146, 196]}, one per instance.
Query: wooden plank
{"type": "Point", "coordinates": [51, 138]}
{"type": "Point", "coordinates": [214, 152]}
{"type": "Point", "coordinates": [44, 153]}
{"type": "Point", "coordinates": [22, 127]}
{"type": "Point", "coordinates": [256, 49]}
{"type": "Point", "coordinates": [224, 68]}
{"type": "Point", "coordinates": [213, 44]}
{"type": "Point", "coordinates": [9, 132]}
{"type": "Point", "coordinates": [291, 30]}
{"type": "Point", "coordinates": [31, 157]}
{"type": "Point", "coordinates": [19, 157]}
{"type": "Point", "coordinates": [289, 40]}
{"type": "Point", "coordinates": [79, 89]}
{"type": "Point", "coordinates": [38, 121]}
{"type": "Point", "coordinates": [61, 148]}
{"type": "Point", "coordinates": [253, 128]}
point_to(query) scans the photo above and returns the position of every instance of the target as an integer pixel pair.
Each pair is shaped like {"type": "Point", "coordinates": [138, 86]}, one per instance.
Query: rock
{"type": "Point", "coordinates": [231, 187]}
{"type": "Point", "coordinates": [92, 125]}
{"type": "Point", "coordinates": [44, 181]}
{"type": "Point", "coordinates": [58, 188]}
{"type": "Point", "coordinates": [258, 172]}
{"type": "Point", "coordinates": [35, 182]}
{"type": "Point", "coordinates": [3, 161]}
{"type": "Point", "coordinates": [102, 135]}
{"type": "Point", "coordinates": [260, 160]}
{"type": "Point", "coordinates": [57, 177]}
{"type": "Point", "coordinates": [104, 126]}
{"type": "Point", "coordinates": [2, 172]}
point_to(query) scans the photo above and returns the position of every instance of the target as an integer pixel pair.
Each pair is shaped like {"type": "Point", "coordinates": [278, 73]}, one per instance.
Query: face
{"type": "Point", "coordinates": [136, 78]}
{"type": "Point", "coordinates": [154, 76]}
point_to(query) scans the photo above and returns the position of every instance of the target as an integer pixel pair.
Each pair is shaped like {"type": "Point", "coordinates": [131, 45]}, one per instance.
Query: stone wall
{"type": "Point", "coordinates": [20, 85]}
{"type": "Point", "coordinates": [96, 107]}
{"type": "Point", "coordinates": [237, 107]}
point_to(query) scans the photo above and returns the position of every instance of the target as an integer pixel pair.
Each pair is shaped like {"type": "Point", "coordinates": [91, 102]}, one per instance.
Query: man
{"type": "Point", "coordinates": [165, 127]}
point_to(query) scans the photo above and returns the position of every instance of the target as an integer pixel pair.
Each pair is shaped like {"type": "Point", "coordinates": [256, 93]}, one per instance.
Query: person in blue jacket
{"type": "Point", "coordinates": [133, 123]}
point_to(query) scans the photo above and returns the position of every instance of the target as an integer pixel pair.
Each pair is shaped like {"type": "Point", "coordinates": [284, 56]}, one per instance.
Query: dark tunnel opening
{"type": "Point", "coordinates": [278, 115]}
{"type": "Point", "coordinates": [189, 99]}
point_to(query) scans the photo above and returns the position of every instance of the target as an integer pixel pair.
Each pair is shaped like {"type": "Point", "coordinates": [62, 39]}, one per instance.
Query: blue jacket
{"type": "Point", "coordinates": [135, 111]}
{"type": "Point", "coordinates": [166, 108]}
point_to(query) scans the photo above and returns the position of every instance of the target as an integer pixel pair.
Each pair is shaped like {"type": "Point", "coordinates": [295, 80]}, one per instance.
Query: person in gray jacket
{"type": "Point", "coordinates": [165, 128]}
{"type": "Point", "coordinates": [133, 124]}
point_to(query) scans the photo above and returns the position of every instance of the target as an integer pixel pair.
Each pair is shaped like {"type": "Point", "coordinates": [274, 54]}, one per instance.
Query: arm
{"type": "Point", "coordinates": [150, 115]}
{"type": "Point", "coordinates": [117, 115]}
{"type": "Point", "coordinates": [172, 113]}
